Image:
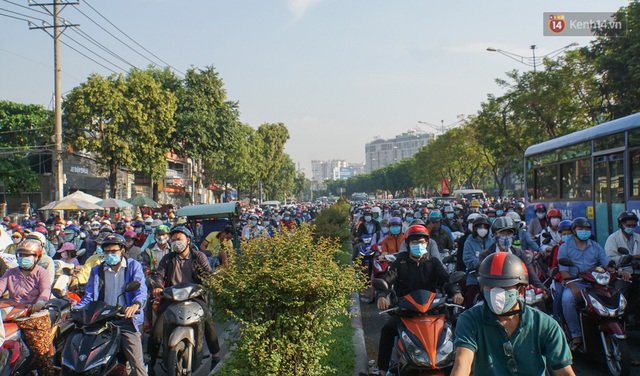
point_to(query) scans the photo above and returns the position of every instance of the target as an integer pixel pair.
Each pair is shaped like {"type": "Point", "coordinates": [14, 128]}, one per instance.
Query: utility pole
{"type": "Point", "coordinates": [54, 8]}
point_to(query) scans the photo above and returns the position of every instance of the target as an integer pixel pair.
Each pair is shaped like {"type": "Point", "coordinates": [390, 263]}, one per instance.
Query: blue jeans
{"type": "Point", "coordinates": [557, 300]}
{"type": "Point", "coordinates": [570, 309]}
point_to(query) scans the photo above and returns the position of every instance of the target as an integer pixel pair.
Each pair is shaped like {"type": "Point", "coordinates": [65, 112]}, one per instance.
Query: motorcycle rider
{"type": "Point", "coordinates": [150, 257]}
{"type": "Point", "coordinates": [441, 234]}
{"type": "Point", "coordinates": [141, 237]}
{"type": "Point", "coordinates": [286, 223]}
{"type": "Point", "coordinates": [367, 226]}
{"type": "Point", "coordinates": [522, 238]}
{"type": "Point", "coordinates": [183, 265]}
{"type": "Point", "coordinates": [394, 242]}
{"type": "Point", "coordinates": [585, 254]}
{"type": "Point", "coordinates": [106, 283]}
{"type": "Point", "coordinates": [132, 251]}
{"type": "Point", "coordinates": [450, 220]}
{"type": "Point", "coordinates": [538, 223]}
{"type": "Point", "coordinates": [550, 237]}
{"type": "Point", "coordinates": [477, 242]}
{"type": "Point", "coordinates": [503, 331]}
{"type": "Point", "coordinates": [411, 271]}
{"type": "Point", "coordinates": [376, 212]}
{"type": "Point", "coordinates": [252, 228]}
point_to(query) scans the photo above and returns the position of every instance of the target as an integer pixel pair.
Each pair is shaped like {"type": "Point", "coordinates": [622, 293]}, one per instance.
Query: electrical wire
{"type": "Point", "coordinates": [14, 17]}
{"type": "Point", "coordinates": [26, 7]}
{"type": "Point", "coordinates": [102, 65]}
{"type": "Point", "coordinates": [21, 14]}
{"type": "Point", "coordinates": [131, 39]}
{"type": "Point", "coordinates": [95, 53]}
{"type": "Point", "coordinates": [23, 130]}
{"type": "Point", "coordinates": [101, 46]}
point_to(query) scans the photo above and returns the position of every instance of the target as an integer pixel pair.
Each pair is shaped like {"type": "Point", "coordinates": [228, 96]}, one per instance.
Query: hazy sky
{"type": "Point", "coordinates": [336, 72]}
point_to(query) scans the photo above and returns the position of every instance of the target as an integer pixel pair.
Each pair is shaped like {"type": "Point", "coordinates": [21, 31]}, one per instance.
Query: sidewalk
{"type": "Point", "coordinates": [360, 349]}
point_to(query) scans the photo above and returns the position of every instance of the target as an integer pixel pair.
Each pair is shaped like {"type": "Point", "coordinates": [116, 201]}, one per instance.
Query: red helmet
{"type": "Point", "coordinates": [554, 213]}
{"type": "Point", "coordinates": [416, 231]}
{"type": "Point", "coordinates": [540, 208]}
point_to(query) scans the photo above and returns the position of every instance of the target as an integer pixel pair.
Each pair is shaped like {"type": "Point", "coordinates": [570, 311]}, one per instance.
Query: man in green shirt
{"type": "Point", "coordinates": [503, 336]}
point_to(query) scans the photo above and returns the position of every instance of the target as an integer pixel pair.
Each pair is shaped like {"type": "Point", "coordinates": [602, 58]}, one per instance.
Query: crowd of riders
{"type": "Point", "coordinates": [471, 232]}
{"type": "Point", "coordinates": [158, 250]}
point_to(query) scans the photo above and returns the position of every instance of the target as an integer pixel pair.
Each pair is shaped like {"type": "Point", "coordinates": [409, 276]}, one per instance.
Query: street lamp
{"type": "Point", "coordinates": [534, 60]}
{"type": "Point", "coordinates": [442, 128]}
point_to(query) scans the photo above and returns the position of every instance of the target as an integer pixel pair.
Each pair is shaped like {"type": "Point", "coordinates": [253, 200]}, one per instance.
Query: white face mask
{"type": "Point", "coordinates": [555, 222]}
{"type": "Point", "coordinates": [541, 215]}
{"type": "Point", "coordinates": [482, 232]}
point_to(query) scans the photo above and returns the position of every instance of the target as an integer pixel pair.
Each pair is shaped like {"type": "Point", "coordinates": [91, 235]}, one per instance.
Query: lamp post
{"type": "Point", "coordinates": [533, 61]}
{"type": "Point", "coordinates": [441, 128]}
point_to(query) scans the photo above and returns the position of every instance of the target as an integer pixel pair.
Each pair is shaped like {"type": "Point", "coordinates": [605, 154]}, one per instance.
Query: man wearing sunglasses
{"type": "Point", "coordinates": [504, 336]}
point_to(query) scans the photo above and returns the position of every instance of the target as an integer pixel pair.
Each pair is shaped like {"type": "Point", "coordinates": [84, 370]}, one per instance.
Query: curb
{"type": "Point", "coordinates": [360, 349]}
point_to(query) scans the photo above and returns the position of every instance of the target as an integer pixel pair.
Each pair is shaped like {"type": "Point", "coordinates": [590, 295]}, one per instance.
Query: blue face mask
{"type": "Point", "coordinates": [500, 300]}
{"type": "Point", "coordinates": [504, 242]}
{"type": "Point", "coordinates": [147, 227]}
{"type": "Point", "coordinates": [408, 219]}
{"type": "Point", "coordinates": [566, 238]}
{"type": "Point", "coordinates": [25, 262]}
{"type": "Point", "coordinates": [450, 215]}
{"type": "Point", "coordinates": [629, 230]}
{"type": "Point", "coordinates": [499, 213]}
{"type": "Point", "coordinates": [112, 259]}
{"type": "Point", "coordinates": [583, 234]}
{"type": "Point", "coordinates": [395, 230]}
{"type": "Point", "coordinates": [384, 230]}
{"type": "Point", "coordinates": [492, 219]}
{"type": "Point", "coordinates": [418, 250]}
{"type": "Point", "coordinates": [99, 250]}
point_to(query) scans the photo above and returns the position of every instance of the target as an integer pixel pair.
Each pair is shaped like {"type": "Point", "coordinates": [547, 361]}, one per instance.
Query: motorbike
{"type": "Point", "coordinates": [601, 319]}
{"type": "Point", "coordinates": [381, 264]}
{"type": "Point", "coordinates": [62, 281]}
{"type": "Point", "coordinates": [366, 252]}
{"type": "Point", "coordinates": [183, 331]}
{"type": "Point", "coordinates": [14, 354]}
{"type": "Point", "coordinates": [94, 346]}
{"type": "Point", "coordinates": [424, 345]}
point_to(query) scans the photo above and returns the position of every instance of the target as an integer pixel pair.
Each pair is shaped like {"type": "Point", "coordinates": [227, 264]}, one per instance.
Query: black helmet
{"type": "Point", "coordinates": [183, 230]}
{"type": "Point", "coordinates": [502, 269]}
{"type": "Point", "coordinates": [119, 225]}
{"type": "Point", "coordinates": [625, 216]}
{"type": "Point", "coordinates": [580, 222]}
{"type": "Point", "coordinates": [481, 220]}
{"type": "Point", "coordinates": [502, 223]}
{"type": "Point", "coordinates": [111, 239]}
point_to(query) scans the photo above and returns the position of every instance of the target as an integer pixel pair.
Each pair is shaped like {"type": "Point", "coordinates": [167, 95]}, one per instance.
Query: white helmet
{"type": "Point", "coordinates": [376, 209]}
{"type": "Point", "coordinates": [472, 217]}
{"type": "Point", "coordinates": [514, 216]}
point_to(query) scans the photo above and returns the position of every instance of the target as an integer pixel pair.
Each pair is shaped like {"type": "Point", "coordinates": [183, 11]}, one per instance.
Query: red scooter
{"type": "Point", "coordinates": [601, 319]}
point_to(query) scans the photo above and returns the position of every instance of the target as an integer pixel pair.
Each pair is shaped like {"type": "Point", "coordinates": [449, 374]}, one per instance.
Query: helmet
{"type": "Point", "coordinates": [37, 236]}
{"type": "Point", "coordinates": [38, 251]}
{"type": "Point", "coordinates": [183, 230]}
{"type": "Point", "coordinates": [156, 223]}
{"type": "Point", "coordinates": [540, 208]}
{"type": "Point", "coordinates": [554, 213]}
{"type": "Point", "coordinates": [481, 219]}
{"type": "Point", "coordinates": [253, 216]}
{"type": "Point", "coordinates": [564, 225]}
{"type": "Point", "coordinates": [448, 209]}
{"type": "Point", "coordinates": [376, 210]}
{"type": "Point", "coordinates": [114, 239]}
{"type": "Point", "coordinates": [472, 217]}
{"type": "Point", "coordinates": [502, 269]}
{"type": "Point", "coordinates": [395, 221]}
{"type": "Point", "coordinates": [515, 217]}
{"type": "Point", "coordinates": [435, 216]}
{"type": "Point", "coordinates": [416, 231]}
{"type": "Point", "coordinates": [626, 216]}
{"type": "Point", "coordinates": [162, 229]}
{"type": "Point", "coordinates": [367, 210]}
{"type": "Point", "coordinates": [120, 226]}
{"type": "Point", "coordinates": [502, 223]}
{"type": "Point", "coordinates": [67, 246]}
{"type": "Point", "coordinates": [580, 222]}
{"type": "Point", "coordinates": [95, 225]}
{"type": "Point", "coordinates": [130, 235]}
{"type": "Point", "coordinates": [475, 203]}
{"type": "Point", "coordinates": [138, 224]}
{"type": "Point", "coordinates": [148, 221]}
{"type": "Point", "coordinates": [106, 229]}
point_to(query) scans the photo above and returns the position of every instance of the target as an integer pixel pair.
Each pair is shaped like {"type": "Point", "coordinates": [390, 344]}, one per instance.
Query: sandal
{"type": "Point", "coordinates": [575, 344]}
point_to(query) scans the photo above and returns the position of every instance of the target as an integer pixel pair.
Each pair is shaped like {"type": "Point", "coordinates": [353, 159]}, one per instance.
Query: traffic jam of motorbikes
{"type": "Point", "coordinates": [452, 274]}
{"type": "Point", "coordinates": [118, 295]}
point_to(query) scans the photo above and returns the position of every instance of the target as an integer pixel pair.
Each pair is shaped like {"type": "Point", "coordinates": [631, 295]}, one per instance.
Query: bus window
{"type": "Point", "coordinates": [634, 166]}
{"type": "Point", "coordinates": [609, 142]}
{"type": "Point", "coordinates": [547, 182]}
{"type": "Point", "coordinates": [576, 179]}
{"type": "Point", "coordinates": [634, 138]}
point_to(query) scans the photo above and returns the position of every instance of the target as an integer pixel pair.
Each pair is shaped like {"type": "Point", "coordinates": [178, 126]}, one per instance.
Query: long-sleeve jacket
{"type": "Point", "coordinates": [525, 241]}
{"type": "Point", "coordinates": [95, 288]}
{"type": "Point", "coordinates": [406, 275]}
{"type": "Point", "coordinates": [533, 277]}
{"type": "Point", "coordinates": [472, 248]}
{"type": "Point", "coordinates": [362, 228]}
{"type": "Point", "coordinates": [618, 240]}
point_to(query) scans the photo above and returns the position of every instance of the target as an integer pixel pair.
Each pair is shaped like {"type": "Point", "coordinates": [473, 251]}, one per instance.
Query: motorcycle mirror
{"type": "Point", "coordinates": [625, 260]}
{"type": "Point", "coordinates": [611, 263]}
{"type": "Point", "coordinates": [456, 277]}
{"type": "Point", "coordinates": [448, 260]}
{"type": "Point", "coordinates": [566, 262]}
{"type": "Point", "coordinates": [552, 272]}
{"type": "Point", "coordinates": [623, 251]}
{"type": "Point", "coordinates": [380, 284]}
{"type": "Point", "coordinates": [81, 252]}
{"type": "Point", "coordinates": [132, 286]}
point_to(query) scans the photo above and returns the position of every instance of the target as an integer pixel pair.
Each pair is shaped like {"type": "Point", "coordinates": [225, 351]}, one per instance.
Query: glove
{"type": "Point", "coordinates": [37, 307]}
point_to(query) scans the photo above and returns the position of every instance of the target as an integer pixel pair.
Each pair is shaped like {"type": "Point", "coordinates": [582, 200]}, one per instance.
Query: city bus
{"type": "Point", "coordinates": [592, 173]}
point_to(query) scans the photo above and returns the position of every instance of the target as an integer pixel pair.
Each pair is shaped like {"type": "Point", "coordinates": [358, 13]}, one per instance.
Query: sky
{"type": "Point", "coordinates": [337, 73]}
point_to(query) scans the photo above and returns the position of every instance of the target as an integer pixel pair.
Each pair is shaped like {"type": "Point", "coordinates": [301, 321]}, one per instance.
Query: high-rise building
{"type": "Point", "coordinates": [334, 169]}
{"type": "Point", "coordinates": [381, 152]}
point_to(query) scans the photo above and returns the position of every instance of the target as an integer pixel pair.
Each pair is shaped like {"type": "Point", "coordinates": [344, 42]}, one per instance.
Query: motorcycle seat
{"type": "Point", "coordinates": [10, 329]}
{"type": "Point", "coordinates": [59, 304]}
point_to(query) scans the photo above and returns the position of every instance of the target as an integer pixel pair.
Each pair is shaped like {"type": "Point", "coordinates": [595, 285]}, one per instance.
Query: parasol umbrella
{"type": "Point", "coordinates": [114, 203]}
{"type": "Point", "coordinates": [143, 201]}
{"type": "Point", "coordinates": [79, 195]}
{"type": "Point", "coordinates": [75, 204]}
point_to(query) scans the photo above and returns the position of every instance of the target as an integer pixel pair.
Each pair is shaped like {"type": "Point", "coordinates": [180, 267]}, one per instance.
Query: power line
{"type": "Point", "coordinates": [101, 46]}
{"type": "Point", "coordinates": [131, 39]}
{"type": "Point", "coordinates": [22, 130]}
{"type": "Point", "coordinates": [95, 53]}
{"type": "Point", "coordinates": [21, 14]}
{"type": "Point", "coordinates": [14, 17]}
{"type": "Point", "coordinates": [26, 7]}
{"type": "Point", "coordinates": [104, 66]}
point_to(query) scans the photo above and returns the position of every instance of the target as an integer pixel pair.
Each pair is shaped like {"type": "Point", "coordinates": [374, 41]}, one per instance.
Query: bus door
{"type": "Point", "coordinates": [609, 195]}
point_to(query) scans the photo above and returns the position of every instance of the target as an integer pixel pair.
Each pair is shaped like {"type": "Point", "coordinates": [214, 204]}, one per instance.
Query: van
{"type": "Point", "coordinates": [469, 194]}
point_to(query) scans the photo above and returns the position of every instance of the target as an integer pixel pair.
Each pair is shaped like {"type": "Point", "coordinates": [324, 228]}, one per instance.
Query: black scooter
{"type": "Point", "coordinates": [94, 346]}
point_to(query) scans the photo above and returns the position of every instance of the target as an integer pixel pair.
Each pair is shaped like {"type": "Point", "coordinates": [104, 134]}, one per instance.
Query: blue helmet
{"type": "Point", "coordinates": [183, 230]}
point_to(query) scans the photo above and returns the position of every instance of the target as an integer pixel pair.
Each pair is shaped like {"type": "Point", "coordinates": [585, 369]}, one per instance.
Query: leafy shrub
{"type": "Point", "coordinates": [333, 222]}
{"type": "Point", "coordinates": [287, 294]}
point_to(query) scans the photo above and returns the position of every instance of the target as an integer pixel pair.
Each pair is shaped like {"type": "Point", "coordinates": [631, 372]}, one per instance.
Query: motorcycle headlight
{"type": "Point", "coordinates": [602, 310]}
{"type": "Point", "coordinates": [445, 352]}
{"type": "Point", "coordinates": [416, 354]}
{"type": "Point", "coordinates": [623, 303]}
{"type": "Point", "coordinates": [601, 278]}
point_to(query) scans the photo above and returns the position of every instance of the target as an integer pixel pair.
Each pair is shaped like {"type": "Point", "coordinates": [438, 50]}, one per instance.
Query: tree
{"type": "Point", "coordinates": [123, 120]}
{"type": "Point", "coordinates": [23, 128]}
{"type": "Point", "coordinates": [270, 140]}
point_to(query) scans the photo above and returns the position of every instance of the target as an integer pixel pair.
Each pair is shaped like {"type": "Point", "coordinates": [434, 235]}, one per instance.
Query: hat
{"type": "Point", "coordinates": [156, 223]}
{"type": "Point", "coordinates": [68, 246]}
{"type": "Point", "coordinates": [130, 234]}
{"type": "Point", "coordinates": [148, 221]}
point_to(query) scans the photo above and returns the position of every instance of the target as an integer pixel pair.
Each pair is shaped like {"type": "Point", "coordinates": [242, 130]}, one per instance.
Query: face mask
{"type": "Point", "coordinates": [287, 218]}
{"type": "Point", "coordinates": [566, 238]}
{"type": "Point", "coordinates": [253, 223]}
{"type": "Point", "coordinates": [499, 213]}
{"type": "Point", "coordinates": [25, 262]}
{"type": "Point", "coordinates": [99, 250]}
{"type": "Point", "coordinates": [367, 218]}
{"type": "Point", "coordinates": [68, 237]}
{"type": "Point", "coordinates": [504, 242]}
{"type": "Point", "coordinates": [178, 246]}
{"type": "Point", "coordinates": [95, 232]}
{"type": "Point", "coordinates": [456, 212]}
{"type": "Point", "coordinates": [500, 300]}
{"type": "Point", "coordinates": [138, 230]}
{"type": "Point", "coordinates": [418, 250]}
{"type": "Point", "coordinates": [16, 240]}
{"type": "Point", "coordinates": [482, 232]}
{"type": "Point", "coordinates": [629, 230]}
{"type": "Point", "coordinates": [148, 227]}
{"type": "Point", "coordinates": [450, 215]}
{"type": "Point", "coordinates": [492, 219]}
{"type": "Point", "coordinates": [129, 243]}
{"type": "Point", "coordinates": [385, 230]}
{"type": "Point", "coordinates": [409, 219]}
{"type": "Point", "coordinates": [395, 230]}
{"type": "Point", "coordinates": [510, 211]}
{"type": "Point", "coordinates": [541, 215]}
{"type": "Point", "coordinates": [583, 234]}
{"type": "Point", "coordinates": [162, 239]}
{"type": "Point", "coordinates": [64, 255]}
{"type": "Point", "coordinates": [112, 259]}
{"type": "Point", "coordinates": [555, 222]}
